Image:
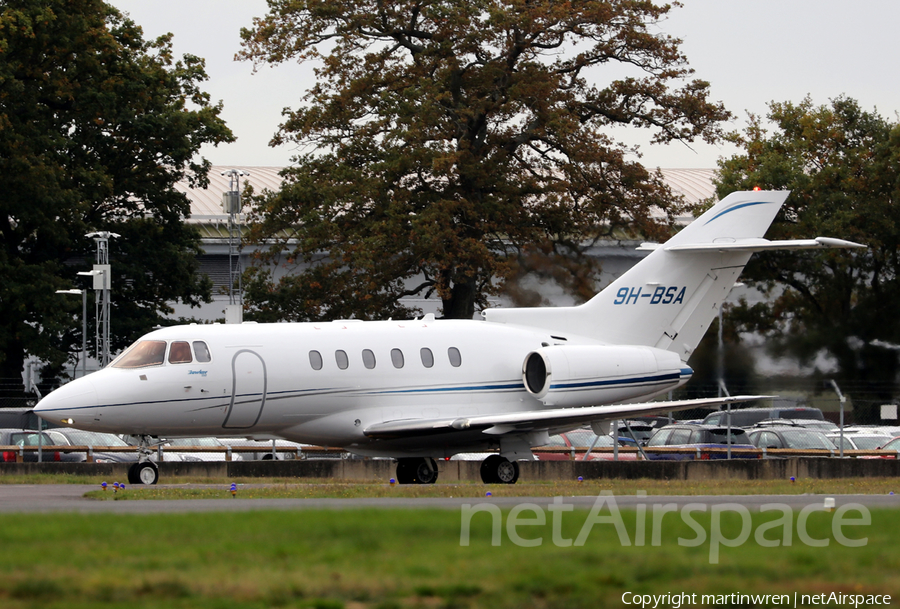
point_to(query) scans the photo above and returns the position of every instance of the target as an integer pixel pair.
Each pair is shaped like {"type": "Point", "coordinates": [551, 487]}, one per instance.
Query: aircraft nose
{"type": "Point", "coordinates": [69, 402]}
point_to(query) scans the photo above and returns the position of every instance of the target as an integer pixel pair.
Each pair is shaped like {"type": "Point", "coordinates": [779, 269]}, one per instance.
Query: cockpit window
{"type": "Point", "coordinates": [180, 353]}
{"type": "Point", "coordinates": [143, 354]}
{"type": "Point", "coordinates": [201, 352]}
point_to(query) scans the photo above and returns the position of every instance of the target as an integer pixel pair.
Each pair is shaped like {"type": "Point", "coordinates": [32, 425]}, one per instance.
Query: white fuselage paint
{"type": "Point", "coordinates": [260, 380]}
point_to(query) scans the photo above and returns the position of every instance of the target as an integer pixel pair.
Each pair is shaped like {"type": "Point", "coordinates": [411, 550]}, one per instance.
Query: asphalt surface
{"type": "Point", "coordinates": [69, 498]}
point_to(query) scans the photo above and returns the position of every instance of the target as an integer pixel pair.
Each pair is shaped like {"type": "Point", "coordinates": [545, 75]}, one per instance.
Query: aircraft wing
{"type": "Point", "coordinates": [517, 422]}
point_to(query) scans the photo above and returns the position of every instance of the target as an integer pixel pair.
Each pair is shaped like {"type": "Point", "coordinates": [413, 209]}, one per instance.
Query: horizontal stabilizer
{"type": "Point", "coordinates": [519, 422]}
{"type": "Point", "coordinates": [756, 245]}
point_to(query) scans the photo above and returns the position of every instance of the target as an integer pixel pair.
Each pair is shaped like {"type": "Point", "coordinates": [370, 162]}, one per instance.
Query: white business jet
{"type": "Point", "coordinates": [424, 389]}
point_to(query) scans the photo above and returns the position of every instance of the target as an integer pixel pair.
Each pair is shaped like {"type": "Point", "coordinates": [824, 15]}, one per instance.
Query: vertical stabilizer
{"type": "Point", "coordinates": [670, 297]}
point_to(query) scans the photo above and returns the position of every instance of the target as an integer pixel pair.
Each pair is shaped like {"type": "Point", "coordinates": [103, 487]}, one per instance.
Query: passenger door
{"type": "Point", "coordinates": [248, 390]}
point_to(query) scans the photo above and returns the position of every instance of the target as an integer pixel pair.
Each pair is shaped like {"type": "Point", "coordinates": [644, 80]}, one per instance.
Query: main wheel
{"type": "Point", "coordinates": [426, 471]}
{"type": "Point", "coordinates": [144, 472]}
{"type": "Point", "coordinates": [508, 472]}
{"type": "Point", "coordinates": [416, 471]}
{"type": "Point", "coordinates": [499, 470]}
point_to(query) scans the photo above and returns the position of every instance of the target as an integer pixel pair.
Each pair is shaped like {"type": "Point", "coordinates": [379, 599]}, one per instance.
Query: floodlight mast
{"type": "Point", "coordinates": [232, 205]}
{"type": "Point", "coordinates": [102, 286]}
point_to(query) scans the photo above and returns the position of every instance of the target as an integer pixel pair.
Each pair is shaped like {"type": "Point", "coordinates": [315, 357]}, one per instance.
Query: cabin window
{"type": "Point", "coordinates": [427, 357]}
{"type": "Point", "coordinates": [315, 360]}
{"type": "Point", "coordinates": [180, 353]}
{"type": "Point", "coordinates": [201, 352]}
{"type": "Point", "coordinates": [143, 354]}
{"type": "Point", "coordinates": [455, 357]}
{"type": "Point", "coordinates": [368, 358]}
{"type": "Point", "coordinates": [397, 358]}
{"type": "Point", "coordinates": [342, 360]}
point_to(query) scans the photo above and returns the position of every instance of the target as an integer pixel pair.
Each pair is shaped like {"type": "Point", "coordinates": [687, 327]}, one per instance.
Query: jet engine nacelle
{"type": "Point", "coordinates": [587, 375]}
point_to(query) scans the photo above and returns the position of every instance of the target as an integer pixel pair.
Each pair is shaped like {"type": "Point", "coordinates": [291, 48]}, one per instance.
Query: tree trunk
{"type": "Point", "coordinates": [461, 304]}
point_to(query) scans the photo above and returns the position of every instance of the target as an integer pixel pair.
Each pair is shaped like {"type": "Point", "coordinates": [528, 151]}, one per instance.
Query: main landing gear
{"type": "Point", "coordinates": [421, 470]}
{"type": "Point", "coordinates": [499, 470]}
{"type": "Point", "coordinates": [144, 471]}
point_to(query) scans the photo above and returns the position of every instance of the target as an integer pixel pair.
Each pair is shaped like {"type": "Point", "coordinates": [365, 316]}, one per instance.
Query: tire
{"type": "Point", "coordinates": [499, 470]}
{"type": "Point", "coordinates": [145, 473]}
{"type": "Point", "coordinates": [417, 471]}
{"type": "Point", "coordinates": [405, 474]}
{"type": "Point", "coordinates": [426, 471]}
{"type": "Point", "coordinates": [489, 469]}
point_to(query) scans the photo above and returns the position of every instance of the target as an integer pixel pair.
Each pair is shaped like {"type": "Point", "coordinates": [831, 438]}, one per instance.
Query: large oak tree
{"type": "Point", "coordinates": [842, 165]}
{"type": "Point", "coordinates": [96, 126]}
{"type": "Point", "coordinates": [448, 144]}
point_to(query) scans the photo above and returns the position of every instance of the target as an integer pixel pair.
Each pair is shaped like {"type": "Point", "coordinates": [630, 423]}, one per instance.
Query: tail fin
{"type": "Point", "coordinates": [669, 298]}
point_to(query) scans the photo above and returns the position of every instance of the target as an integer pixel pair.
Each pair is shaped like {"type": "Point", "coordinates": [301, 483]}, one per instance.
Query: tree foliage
{"type": "Point", "coordinates": [842, 165]}
{"type": "Point", "coordinates": [449, 144]}
{"type": "Point", "coordinates": [96, 126]}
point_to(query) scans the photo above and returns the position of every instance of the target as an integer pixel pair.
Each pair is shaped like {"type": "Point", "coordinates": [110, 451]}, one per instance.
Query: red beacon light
{"type": "Point", "coordinates": [756, 188]}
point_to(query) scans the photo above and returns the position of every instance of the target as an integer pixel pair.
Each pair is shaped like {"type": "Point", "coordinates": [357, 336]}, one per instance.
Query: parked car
{"type": "Point", "coordinates": [799, 438]}
{"type": "Point", "coordinates": [640, 434]}
{"type": "Point", "coordinates": [823, 425]}
{"type": "Point", "coordinates": [745, 417]}
{"type": "Point", "coordinates": [859, 441]}
{"type": "Point", "coordinates": [264, 452]}
{"type": "Point", "coordinates": [690, 437]}
{"type": "Point", "coordinates": [578, 441]}
{"type": "Point", "coordinates": [64, 436]}
{"type": "Point", "coordinates": [29, 437]}
{"type": "Point", "coordinates": [892, 446]}
{"type": "Point", "coordinates": [173, 444]}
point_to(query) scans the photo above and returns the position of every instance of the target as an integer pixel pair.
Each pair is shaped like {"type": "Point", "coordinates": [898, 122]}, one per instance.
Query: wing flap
{"type": "Point", "coordinates": [518, 422]}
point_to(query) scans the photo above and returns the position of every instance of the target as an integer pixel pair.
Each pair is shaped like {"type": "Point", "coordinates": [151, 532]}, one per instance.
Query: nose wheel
{"type": "Point", "coordinates": [421, 470]}
{"type": "Point", "coordinates": [144, 472]}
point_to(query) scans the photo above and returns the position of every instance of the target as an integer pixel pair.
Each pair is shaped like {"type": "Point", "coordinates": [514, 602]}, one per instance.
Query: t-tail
{"type": "Point", "coordinates": [669, 299]}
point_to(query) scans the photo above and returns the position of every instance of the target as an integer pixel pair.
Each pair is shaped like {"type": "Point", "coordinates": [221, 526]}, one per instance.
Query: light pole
{"type": "Point", "coordinates": [232, 205]}
{"type": "Point", "coordinates": [83, 325]}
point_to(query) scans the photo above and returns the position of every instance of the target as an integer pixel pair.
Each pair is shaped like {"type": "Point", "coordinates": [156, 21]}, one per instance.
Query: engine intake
{"type": "Point", "coordinates": [586, 375]}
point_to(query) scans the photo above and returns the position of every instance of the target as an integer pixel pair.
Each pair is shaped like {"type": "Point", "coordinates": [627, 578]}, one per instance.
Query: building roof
{"type": "Point", "coordinates": [694, 185]}
{"type": "Point", "coordinates": [206, 203]}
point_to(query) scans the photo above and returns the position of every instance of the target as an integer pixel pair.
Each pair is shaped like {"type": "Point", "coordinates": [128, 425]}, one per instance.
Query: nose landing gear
{"type": "Point", "coordinates": [144, 471]}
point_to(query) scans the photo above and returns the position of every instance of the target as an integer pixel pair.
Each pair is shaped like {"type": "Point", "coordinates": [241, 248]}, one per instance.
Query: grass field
{"type": "Point", "coordinates": [397, 558]}
{"type": "Point", "coordinates": [380, 559]}
{"type": "Point", "coordinates": [278, 489]}
{"type": "Point", "coordinates": [186, 488]}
